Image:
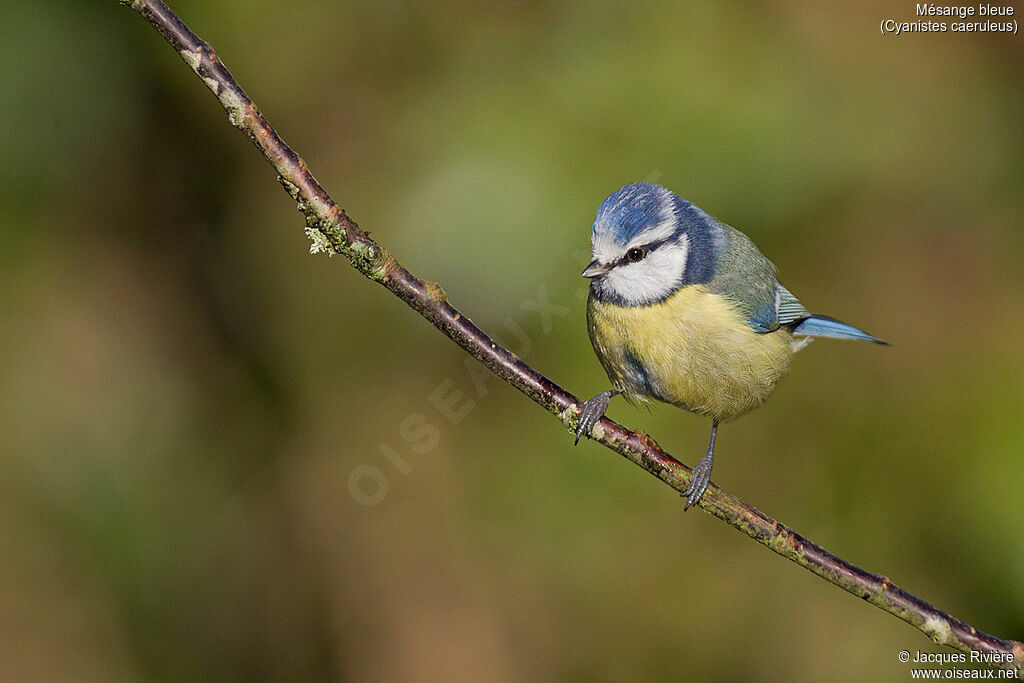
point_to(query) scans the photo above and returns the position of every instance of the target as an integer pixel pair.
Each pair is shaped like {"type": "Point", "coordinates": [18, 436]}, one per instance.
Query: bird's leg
{"type": "Point", "coordinates": [701, 476]}
{"type": "Point", "coordinates": [592, 411]}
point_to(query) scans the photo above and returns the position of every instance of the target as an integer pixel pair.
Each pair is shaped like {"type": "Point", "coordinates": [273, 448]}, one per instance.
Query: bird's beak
{"type": "Point", "coordinates": [596, 269]}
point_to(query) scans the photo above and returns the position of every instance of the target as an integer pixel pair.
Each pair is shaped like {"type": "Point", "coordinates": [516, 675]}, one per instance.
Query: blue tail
{"type": "Point", "coordinates": [824, 326]}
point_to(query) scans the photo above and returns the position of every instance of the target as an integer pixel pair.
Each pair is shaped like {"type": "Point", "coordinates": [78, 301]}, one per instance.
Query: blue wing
{"type": "Point", "coordinates": [776, 311]}
{"type": "Point", "coordinates": [744, 275]}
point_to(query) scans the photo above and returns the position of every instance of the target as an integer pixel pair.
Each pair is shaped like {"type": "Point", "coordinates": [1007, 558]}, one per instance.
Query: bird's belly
{"type": "Point", "coordinates": [694, 350]}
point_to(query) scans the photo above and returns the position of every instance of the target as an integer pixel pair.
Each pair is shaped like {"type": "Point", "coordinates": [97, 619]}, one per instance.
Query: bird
{"type": "Point", "coordinates": [684, 309]}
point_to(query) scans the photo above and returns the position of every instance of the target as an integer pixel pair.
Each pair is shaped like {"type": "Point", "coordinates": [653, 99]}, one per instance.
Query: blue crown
{"type": "Point", "coordinates": [632, 209]}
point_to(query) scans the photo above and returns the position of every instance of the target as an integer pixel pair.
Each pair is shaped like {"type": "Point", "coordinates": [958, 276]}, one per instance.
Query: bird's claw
{"type": "Point", "coordinates": [592, 411]}
{"type": "Point", "coordinates": [699, 480]}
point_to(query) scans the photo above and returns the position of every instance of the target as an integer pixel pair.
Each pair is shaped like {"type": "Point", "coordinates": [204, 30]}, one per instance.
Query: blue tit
{"type": "Point", "coordinates": [684, 309]}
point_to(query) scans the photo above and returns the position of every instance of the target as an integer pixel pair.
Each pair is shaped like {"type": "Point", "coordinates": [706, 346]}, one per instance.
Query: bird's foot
{"type": "Point", "coordinates": [699, 480]}
{"type": "Point", "coordinates": [592, 411]}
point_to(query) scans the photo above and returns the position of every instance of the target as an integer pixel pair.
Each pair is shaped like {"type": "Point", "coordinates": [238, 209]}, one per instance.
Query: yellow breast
{"type": "Point", "coordinates": [694, 350]}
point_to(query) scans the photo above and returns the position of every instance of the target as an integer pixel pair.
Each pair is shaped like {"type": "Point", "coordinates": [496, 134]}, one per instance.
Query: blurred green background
{"type": "Point", "coordinates": [221, 457]}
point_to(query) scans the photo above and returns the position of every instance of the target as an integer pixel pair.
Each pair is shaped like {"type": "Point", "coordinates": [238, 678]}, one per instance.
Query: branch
{"type": "Point", "coordinates": [332, 231]}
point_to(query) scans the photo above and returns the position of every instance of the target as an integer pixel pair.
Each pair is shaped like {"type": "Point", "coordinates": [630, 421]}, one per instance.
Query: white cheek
{"type": "Point", "coordinates": [652, 279]}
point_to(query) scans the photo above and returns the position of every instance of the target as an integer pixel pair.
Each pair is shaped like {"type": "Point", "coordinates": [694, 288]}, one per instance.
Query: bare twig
{"type": "Point", "coordinates": [332, 231]}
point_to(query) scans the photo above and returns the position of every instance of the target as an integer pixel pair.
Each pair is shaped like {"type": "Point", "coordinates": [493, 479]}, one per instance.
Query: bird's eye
{"type": "Point", "coordinates": [635, 254]}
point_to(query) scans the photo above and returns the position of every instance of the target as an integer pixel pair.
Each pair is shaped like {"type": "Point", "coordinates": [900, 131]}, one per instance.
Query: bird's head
{"type": "Point", "coordinates": [647, 242]}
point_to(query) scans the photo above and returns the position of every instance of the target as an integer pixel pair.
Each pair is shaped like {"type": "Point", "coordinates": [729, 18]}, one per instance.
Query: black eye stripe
{"type": "Point", "coordinates": [645, 249]}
